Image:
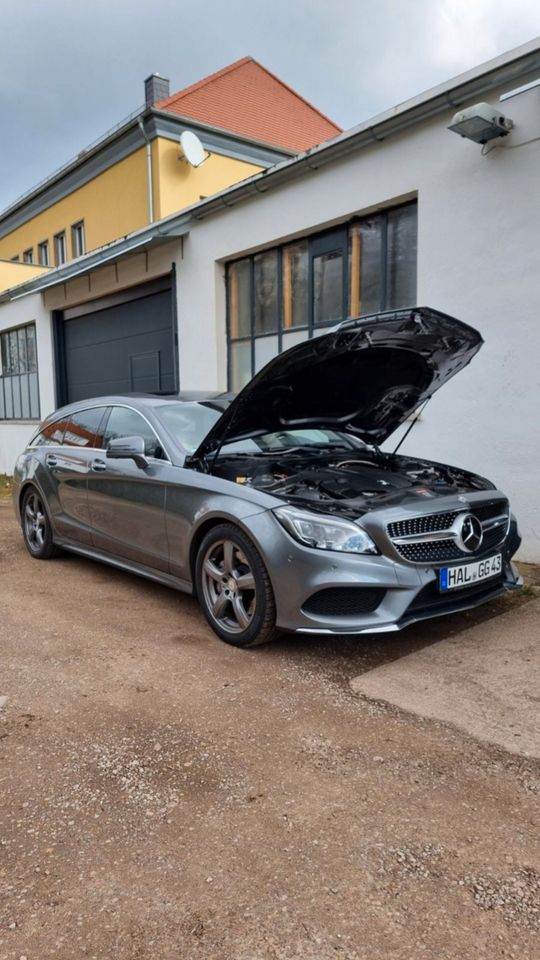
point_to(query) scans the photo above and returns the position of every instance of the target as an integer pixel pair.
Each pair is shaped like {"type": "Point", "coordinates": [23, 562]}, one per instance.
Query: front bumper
{"type": "Point", "coordinates": [404, 593]}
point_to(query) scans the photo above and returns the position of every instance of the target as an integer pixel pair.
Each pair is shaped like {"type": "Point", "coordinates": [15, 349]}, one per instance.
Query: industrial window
{"type": "Point", "coordinates": [28, 255]}
{"type": "Point", "coordinates": [293, 292]}
{"type": "Point", "coordinates": [60, 249]}
{"type": "Point", "coordinates": [19, 392]}
{"type": "Point", "coordinates": [77, 239]}
{"type": "Point", "coordinates": [43, 253]}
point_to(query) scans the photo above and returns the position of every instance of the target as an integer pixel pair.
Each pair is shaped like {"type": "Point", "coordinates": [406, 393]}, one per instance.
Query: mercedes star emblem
{"type": "Point", "coordinates": [469, 532]}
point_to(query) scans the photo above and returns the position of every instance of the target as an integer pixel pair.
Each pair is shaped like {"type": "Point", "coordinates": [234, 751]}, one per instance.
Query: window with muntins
{"type": "Point", "coordinates": [290, 293]}
{"type": "Point", "coordinates": [19, 390]}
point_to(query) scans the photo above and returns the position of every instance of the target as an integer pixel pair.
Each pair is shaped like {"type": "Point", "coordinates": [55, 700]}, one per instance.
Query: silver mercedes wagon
{"type": "Point", "coordinates": [277, 507]}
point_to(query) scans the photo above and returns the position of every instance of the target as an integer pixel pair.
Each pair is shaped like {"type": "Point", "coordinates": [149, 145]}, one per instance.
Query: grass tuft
{"type": "Point", "coordinates": [6, 483]}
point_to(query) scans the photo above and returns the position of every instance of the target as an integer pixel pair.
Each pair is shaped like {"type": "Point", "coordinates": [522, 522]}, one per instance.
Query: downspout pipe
{"type": "Point", "coordinates": [148, 171]}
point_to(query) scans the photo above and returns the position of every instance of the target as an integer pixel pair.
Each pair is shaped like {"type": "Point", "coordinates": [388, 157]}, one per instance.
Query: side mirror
{"type": "Point", "coordinates": [127, 448]}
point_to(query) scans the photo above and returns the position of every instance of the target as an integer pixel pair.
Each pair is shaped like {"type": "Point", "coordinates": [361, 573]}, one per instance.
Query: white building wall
{"type": "Point", "coordinates": [478, 258]}
{"type": "Point", "coordinates": [15, 434]}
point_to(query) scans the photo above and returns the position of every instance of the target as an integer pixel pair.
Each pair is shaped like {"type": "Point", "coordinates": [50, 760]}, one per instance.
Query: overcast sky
{"type": "Point", "coordinates": [70, 69]}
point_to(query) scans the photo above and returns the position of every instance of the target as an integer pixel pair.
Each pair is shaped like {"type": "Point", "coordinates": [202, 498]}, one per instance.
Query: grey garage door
{"type": "Point", "coordinates": [121, 348]}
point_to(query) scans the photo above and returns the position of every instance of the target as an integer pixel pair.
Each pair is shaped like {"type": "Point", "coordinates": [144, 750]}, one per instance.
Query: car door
{"type": "Point", "coordinates": [70, 448]}
{"type": "Point", "coordinates": [126, 503]}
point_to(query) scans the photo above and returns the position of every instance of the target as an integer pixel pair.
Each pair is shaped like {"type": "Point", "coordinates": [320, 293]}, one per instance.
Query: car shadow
{"type": "Point", "coordinates": [337, 657]}
{"type": "Point", "coordinates": [341, 657]}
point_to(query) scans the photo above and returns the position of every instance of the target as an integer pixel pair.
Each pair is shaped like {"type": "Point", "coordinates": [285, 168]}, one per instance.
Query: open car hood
{"type": "Point", "coordinates": [364, 377]}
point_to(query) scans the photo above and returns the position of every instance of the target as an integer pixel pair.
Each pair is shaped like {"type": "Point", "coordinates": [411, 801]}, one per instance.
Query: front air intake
{"type": "Point", "coordinates": [344, 601]}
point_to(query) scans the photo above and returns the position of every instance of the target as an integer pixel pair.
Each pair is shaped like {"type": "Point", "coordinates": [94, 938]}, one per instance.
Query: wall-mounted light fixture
{"type": "Point", "coordinates": [481, 123]}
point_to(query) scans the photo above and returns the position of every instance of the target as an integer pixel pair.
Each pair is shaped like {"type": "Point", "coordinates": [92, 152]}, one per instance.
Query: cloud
{"type": "Point", "coordinates": [70, 70]}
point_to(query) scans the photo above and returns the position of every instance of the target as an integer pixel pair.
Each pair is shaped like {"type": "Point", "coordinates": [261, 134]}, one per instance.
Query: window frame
{"type": "Point", "coordinates": [43, 245]}
{"type": "Point", "coordinates": [126, 406]}
{"type": "Point", "coordinates": [78, 234]}
{"type": "Point", "coordinates": [104, 407]}
{"type": "Point", "coordinates": [339, 235]}
{"type": "Point", "coordinates": [16, 377]}
{"type": "Point", "coordinates": [28, 255]}
{"type": "Point", "coordinates": [60, 237]}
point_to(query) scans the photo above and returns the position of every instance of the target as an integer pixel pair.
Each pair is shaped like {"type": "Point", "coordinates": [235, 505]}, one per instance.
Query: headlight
{"type": "Point", "coordinates": [325, 533]}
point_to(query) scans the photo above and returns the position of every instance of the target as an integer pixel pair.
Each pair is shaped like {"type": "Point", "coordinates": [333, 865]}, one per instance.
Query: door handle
{"type": "Point", "coordinates": [98, 466]}
{"type": "Point", "coordinates": [51, 461]}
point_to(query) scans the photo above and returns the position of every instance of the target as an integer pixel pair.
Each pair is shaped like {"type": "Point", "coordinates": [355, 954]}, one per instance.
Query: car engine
{"type": "Point", "coordinates": [355, 482]}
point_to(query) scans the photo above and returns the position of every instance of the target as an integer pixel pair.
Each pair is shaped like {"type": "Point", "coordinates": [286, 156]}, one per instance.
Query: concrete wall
{"type": "Point", "coordinates": [477, 259]}
{"type": "Point", "coordinates": [15, 434]}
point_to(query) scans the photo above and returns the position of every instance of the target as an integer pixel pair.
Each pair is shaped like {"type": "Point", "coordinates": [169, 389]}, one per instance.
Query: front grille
{"type": "Point", "coordinates": [424, 550]}
{"type": "Point", "coordinates": [494, 508]}
{"type": "Point", "coordinates": [344, 601]}
{"type": "Point", "coordinates": [436, 552]}
{"type": "Point", "coordinates": [431, 523]}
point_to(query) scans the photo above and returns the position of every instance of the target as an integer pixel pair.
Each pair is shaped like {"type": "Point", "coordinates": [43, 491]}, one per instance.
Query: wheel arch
{"type": "Point", "coordinates": [198, 537]}
{"type": "Point", "coordinates": [26, 485]}
{"type": "Point", "coordinates": [20, 496]}
{"type": "Point", "coordinates": [215, 521]}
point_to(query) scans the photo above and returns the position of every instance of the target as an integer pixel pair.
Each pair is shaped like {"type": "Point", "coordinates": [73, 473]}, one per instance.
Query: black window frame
{"type": "Point", "coordinates": [320, 241]}
{"type": "Point", "coordinates": [12, 381]}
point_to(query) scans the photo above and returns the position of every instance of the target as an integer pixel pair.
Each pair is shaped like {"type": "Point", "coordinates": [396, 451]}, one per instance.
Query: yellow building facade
{"type": "Point", "coordinates": [115, 203]}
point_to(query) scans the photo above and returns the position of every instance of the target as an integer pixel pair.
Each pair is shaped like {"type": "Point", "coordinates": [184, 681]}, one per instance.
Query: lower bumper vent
{"type": "Point", "coordinates": [344, 601]}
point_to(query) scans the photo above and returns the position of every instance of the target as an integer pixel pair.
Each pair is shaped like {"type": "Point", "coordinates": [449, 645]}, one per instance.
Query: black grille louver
{"type": "Point", "coordinates": [344, 601]}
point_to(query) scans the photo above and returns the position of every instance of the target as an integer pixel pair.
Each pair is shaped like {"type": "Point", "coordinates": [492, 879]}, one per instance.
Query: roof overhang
{"type": "Point", "coordinates": [144, 239]}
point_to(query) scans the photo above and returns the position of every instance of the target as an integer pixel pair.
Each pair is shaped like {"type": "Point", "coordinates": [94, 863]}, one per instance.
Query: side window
{"type": "Point", "coordinates": [83, 428]}
{"type": "Point", "coordinates": [128, 423]}
{"type": "Point", "coordinates": [51, 435]}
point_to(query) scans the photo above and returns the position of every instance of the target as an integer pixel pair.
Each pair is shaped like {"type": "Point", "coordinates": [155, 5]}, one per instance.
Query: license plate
{"type": "Point", "coordinates": [467, 574]}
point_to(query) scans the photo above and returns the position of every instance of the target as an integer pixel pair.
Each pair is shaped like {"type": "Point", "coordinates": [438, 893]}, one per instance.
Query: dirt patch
{"type": "Point", "coordinates": [164, 795]}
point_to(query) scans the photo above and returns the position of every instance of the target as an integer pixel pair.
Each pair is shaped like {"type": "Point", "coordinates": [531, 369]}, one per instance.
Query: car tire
{"type": "Point", "coordinates": [234, 588]}
{"type": "Point", "coordinates": [36, 526]}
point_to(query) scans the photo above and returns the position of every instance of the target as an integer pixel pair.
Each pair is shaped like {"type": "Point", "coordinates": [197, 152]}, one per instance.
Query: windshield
{"type": "Point", "coordinates": [190, 422]}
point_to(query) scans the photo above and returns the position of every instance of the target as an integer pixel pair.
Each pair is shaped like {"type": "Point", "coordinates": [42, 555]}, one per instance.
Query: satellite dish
{"type": "Point", "coordinates": [192, 149]}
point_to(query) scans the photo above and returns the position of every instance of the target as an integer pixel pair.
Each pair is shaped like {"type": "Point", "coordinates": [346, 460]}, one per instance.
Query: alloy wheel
{"type": "Point", "coordinates": [229, 587]}
{"type": "Point", "coordinates": [35, 522]}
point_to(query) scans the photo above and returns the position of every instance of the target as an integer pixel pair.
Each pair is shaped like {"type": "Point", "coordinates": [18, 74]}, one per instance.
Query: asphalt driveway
{"type": "Point", "coordinates": [165, 796]}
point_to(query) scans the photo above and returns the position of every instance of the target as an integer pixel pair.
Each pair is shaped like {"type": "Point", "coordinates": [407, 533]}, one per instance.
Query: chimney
{"type": "Point", "coordinates": [155, 88]}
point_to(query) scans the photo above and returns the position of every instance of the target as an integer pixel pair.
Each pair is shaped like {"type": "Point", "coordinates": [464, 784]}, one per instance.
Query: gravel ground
{"type": "Point", "coordinates": [165, 796]}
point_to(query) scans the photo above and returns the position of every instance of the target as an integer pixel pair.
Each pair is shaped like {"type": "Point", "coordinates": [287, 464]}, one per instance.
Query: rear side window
{"type": "Point", "coordinates": [83, 429]}
{"type": "Point", "coordinates": [51, 435]}
{"type": "Point", "coordinates": [124, 422]}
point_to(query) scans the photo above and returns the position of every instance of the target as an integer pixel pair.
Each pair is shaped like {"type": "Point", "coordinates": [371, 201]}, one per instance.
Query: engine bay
{"type": "Point", "coordinates": [346, 481]}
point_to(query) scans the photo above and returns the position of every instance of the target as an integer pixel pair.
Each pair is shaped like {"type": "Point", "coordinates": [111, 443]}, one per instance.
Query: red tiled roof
{"type": "Point", "coordinates": [246, 98]}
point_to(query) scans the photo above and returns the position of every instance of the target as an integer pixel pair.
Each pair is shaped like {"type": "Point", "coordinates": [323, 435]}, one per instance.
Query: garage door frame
{"type": "Point", "coordinates": [59, 317]}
